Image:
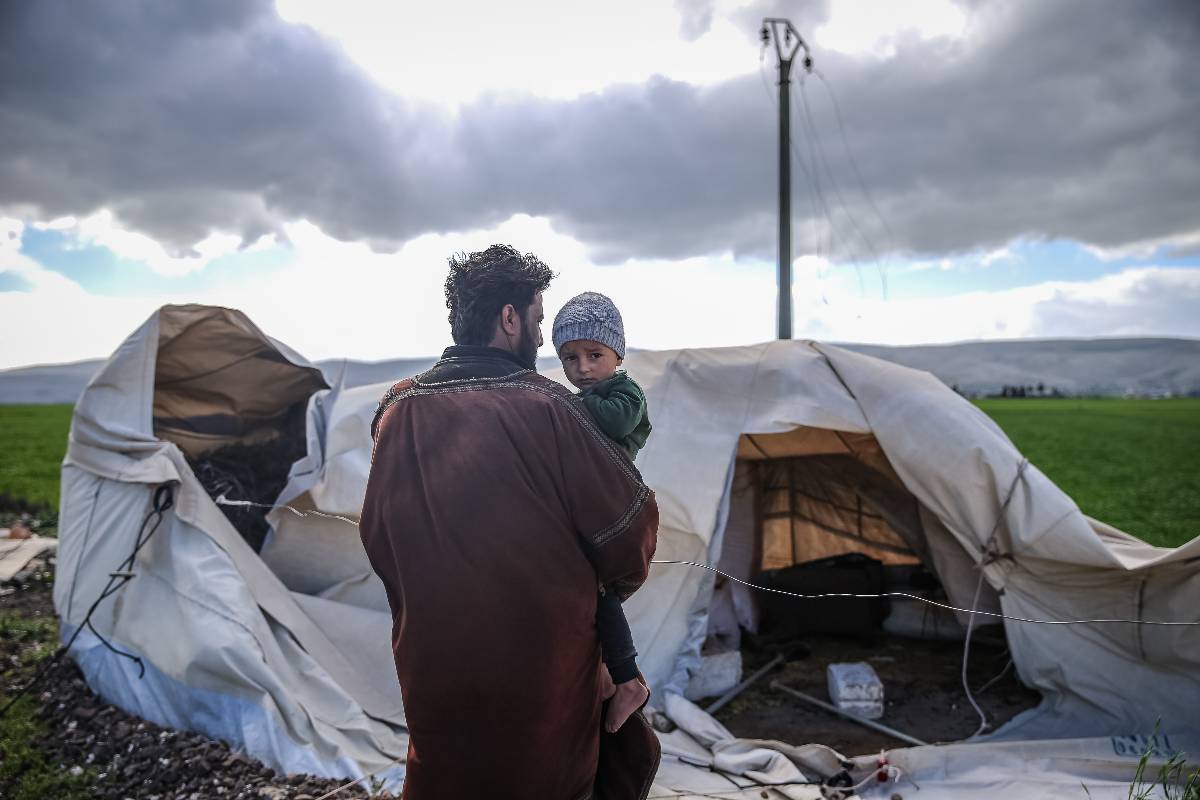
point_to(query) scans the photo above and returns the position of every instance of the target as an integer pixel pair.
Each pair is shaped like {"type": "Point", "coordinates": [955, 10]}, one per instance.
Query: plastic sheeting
{"type": "Point", "coordinates": [204, 612]}
{"type": "Point", "coordinates": [702, 759]}
{"type": "Point", "coordinates": [296, 638]}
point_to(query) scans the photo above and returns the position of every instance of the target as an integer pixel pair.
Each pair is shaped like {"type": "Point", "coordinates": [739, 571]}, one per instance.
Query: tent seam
{"type": "Point", "coordinates": [836, 374]}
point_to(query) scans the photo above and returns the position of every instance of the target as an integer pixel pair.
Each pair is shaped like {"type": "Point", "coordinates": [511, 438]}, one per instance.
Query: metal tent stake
{"type": "Point", "coordinates": [904, 737]}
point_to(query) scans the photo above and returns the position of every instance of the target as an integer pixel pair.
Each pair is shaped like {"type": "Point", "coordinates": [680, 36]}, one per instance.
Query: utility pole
{"type": "Point", "coordinates": [786, 47]}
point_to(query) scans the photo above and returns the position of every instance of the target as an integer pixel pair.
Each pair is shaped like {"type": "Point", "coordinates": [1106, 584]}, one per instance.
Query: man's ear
{"type": "Point", "coordinates": [510, 321]}
{"type": "Point", "coordinates": [620, 361]}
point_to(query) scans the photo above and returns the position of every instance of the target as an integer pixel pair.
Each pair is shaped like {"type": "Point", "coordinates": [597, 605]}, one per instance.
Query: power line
{"type": "Point", "coordinates": [813, 143]}
{"type": "Point", "coordinates": [818, 195]}
{"type": "Point", "coordinates": [833, 231]}
{"type": "Point", "coordinates": [818, 158]}
{"type": "Point", "coordinates": [812, 126]}
{"type": "Point", "coordinates": [814, 194]}
{"type": "Point", "coordinates": [837, 111]}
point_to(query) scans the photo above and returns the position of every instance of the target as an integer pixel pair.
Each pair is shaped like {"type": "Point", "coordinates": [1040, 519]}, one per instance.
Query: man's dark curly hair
{"type": "Point", "coordinates": [481, 284]}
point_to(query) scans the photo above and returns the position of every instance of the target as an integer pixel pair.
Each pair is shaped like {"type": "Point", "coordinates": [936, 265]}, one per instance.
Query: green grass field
{"type": "Point", "coordinates": [1133, 463]}
{"type": "Point", "coordinates": [33, 441]}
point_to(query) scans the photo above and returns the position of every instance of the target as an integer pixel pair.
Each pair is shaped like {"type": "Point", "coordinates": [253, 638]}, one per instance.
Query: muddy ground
{"type": "Point", "coordinates": [922, 689]}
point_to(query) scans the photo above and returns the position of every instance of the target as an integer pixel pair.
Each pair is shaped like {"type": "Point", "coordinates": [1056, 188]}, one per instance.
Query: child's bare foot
{"type": "Point", "coordinates": [627, 699]}
{"type": "Point", "coordinates": [607, 687]}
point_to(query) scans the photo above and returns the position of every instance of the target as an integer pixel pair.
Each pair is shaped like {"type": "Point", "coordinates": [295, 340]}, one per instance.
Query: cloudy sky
{"type": "Point", "coordinates": [963, 169]}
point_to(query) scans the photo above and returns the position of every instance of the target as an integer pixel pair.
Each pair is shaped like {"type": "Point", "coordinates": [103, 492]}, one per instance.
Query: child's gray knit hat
{"type": "Point", "coordinates": [593, 316]}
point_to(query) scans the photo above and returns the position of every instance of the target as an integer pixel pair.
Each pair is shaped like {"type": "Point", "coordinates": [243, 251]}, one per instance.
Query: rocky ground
{"type": "Point", "coordinates": [63, 741]}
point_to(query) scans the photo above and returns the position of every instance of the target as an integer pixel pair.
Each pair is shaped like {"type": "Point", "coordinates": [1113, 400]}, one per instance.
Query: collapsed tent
{"type": "Point", "coordinates": [762, 456]}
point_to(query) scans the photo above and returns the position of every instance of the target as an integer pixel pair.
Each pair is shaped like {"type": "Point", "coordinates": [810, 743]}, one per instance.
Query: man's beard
{"type": "Point", "coordinates": [527, 348]}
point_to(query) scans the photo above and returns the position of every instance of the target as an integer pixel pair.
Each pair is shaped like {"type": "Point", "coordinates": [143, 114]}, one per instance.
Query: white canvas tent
{"type": "Point", "coordinates": [286, 653]}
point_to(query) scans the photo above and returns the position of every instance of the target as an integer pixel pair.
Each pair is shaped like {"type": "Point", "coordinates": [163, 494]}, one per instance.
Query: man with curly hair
{"type": "Point", "coordinates": [494, 509]}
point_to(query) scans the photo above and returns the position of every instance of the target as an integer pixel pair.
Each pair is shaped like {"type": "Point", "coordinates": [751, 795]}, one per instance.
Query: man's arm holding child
{"type": "Point", "coordinates": [611, 509]}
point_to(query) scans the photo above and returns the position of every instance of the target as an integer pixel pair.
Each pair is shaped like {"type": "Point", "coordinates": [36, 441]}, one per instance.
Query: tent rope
{"type": "Point", "coordinates": [163, 501]}
{"type": "Point", "coordinates": [987, 556]}
{"type": "Point", "coordinates": [909, 596]}
{"type": "Point", "coordinates": [800, 596]}
{"type": "Point", "coordinates": [222, 500]}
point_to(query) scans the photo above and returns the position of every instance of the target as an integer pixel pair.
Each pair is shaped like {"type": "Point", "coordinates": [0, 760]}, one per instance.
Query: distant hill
{"type": "Point", "coordinates": [63, 383]}
{"type": "Point", "coordinates": [1112, 367]}
{"type": "Point", "coordinates": [1147, 367]}
{"type": "Point", "coordinates": [362, 373]}
{"type": "Point", "coordinates": [53, 383]}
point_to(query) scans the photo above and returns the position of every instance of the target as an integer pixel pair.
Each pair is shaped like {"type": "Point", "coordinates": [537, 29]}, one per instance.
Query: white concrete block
{"type": "Point", "coordinates": [856, 689]}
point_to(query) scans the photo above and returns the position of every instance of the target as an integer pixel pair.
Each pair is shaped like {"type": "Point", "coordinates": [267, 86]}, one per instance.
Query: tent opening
{"type": "Point", "coordinates": [234, 402]}
{"type": "Point", "coordinates": [816, 511]}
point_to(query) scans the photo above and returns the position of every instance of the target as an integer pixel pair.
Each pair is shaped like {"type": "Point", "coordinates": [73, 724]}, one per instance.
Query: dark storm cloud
{"type": "Point", "coordinates": [1065, 119]}
{"type": "Point", "coordinates": [188, 117]}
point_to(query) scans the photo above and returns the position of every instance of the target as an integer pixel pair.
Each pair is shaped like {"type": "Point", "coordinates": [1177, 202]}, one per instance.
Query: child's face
{"type": "Point", "coordinates": [587, 363]}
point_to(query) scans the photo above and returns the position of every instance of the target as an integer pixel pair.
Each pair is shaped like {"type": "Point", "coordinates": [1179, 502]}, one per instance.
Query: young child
{"type": "Point", "coordinates": [589, 338]}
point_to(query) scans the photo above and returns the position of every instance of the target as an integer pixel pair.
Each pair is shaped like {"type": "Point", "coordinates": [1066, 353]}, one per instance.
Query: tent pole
{"type": "Point", "coordinates": [792, 507]}
{"type": "Point", "coordinates": [759, 471]}
{"type": "Point", "coordinates": [904, 737]}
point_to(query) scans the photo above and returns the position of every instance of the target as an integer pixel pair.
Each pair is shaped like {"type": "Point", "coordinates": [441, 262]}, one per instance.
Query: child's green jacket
{"type": "Point", "coordinates": [618, 406]}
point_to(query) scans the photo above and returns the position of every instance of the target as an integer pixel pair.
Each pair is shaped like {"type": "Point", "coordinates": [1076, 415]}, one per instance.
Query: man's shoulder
{"type": "Point", "coordinates": [389, 399]}
{"type": "Point", "coordinates": [547, 392]}
{"type": "Point", "coordinates": [527, 387]}
{"type": "Point", "coordinates": [538, 387]}
{"type": "Point", "coordinates": [396, 388]}
{"type": "Point", "coordinates": [536, 380]}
